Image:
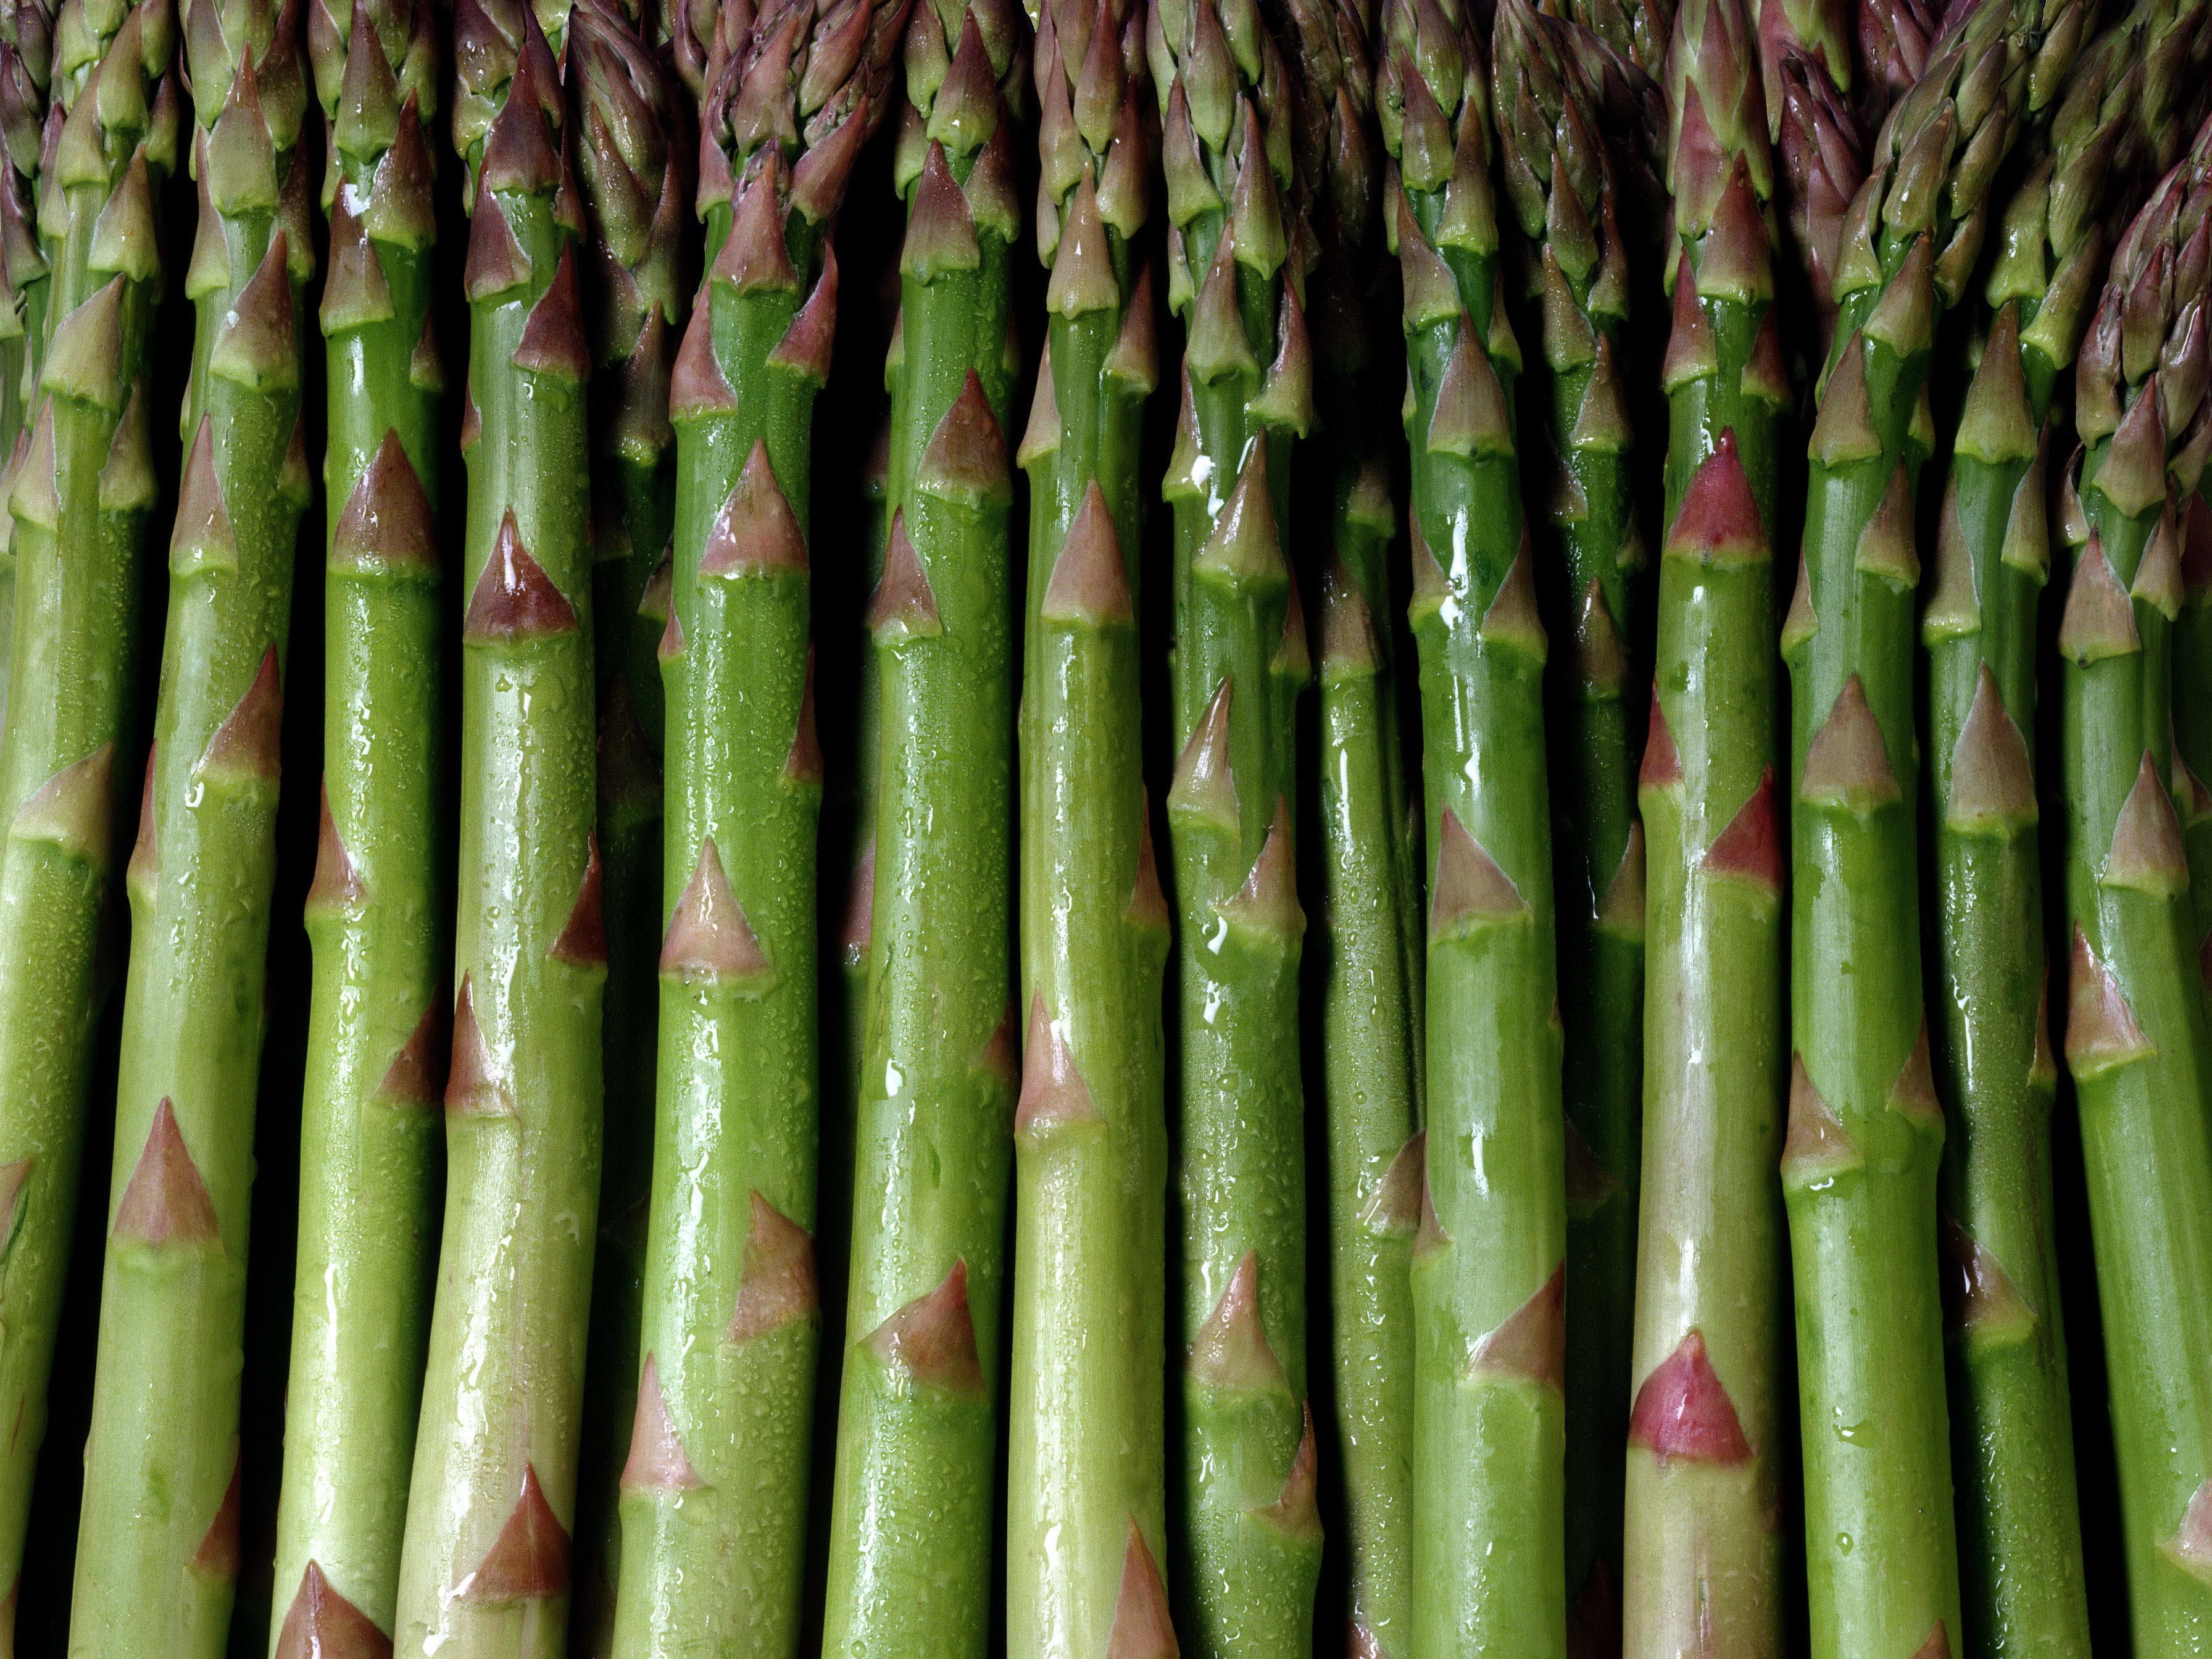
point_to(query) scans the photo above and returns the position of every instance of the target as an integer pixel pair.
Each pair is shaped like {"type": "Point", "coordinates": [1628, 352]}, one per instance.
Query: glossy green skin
{"type": "Point", "coordinates": [1244, 1585]}
{"type": "Point", "coordinates": [74, 678]}
{"type": "Point", "coordinates": [369, 1165]}
{"type": "Point", "coordinates": [1369, 960]}
{"type": "Point", "coordinates": [163, 1449]}
{"type": "Point", "coordinates": [717, 1568]}
{"type": "Point", "coordinates": [20, 358]}
{"type": "Point", "coordinates": [643, 490]}
{"type": "Point", "coordinates": [2148, 1158]}
{"type": "Point", "coordinates": [2192, 739]}
{"type": "Point", "coordinates": [1703, 1538]}
{"type": "Point", "coordinates": [503, 1390]}
{"type": "Point", "coordinates": [1489, 1493]}
{"type": "Point", "coordinates": [1088, 1450]}
{"type": "Point", "coordinates": [911, 1523]}
{"type": "Point", "coordinates": [1593, 714]}
{"type": "Point", "coordinates": [1881, 1555]}
{"type": "Point", "coordinates": [2012, 1426]}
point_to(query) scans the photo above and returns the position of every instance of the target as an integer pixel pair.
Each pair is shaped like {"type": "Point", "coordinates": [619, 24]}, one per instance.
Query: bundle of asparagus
{"type": "Point", "coordinates": [2135, 1032]}
{"type": "Point", "coordinates": [158, 1554]}
{"type": "Point", "coordinates": [1532, 1401]}
{"type": "Point", "coordinates": [79, 500]}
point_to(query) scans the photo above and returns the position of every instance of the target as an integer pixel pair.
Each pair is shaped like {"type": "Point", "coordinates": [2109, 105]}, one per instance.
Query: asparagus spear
{"type": "Point", "coordinates": [2192, 719]}
{"type": "Point", "coordinates": [1706, 1438]}
{"type": "Point", "coordinates": [1816, 32]}
{"type": "Point", "coordinates": [911, 1520]}
{"type": "Point", "coordinates": [1822, 151]}
{"type": "Point", "coordinates": [631, 165]}
{"type": "Point", "coordinates": [80, 501]}
{"type": "Point", "coordinates": [26, 28]}
{"type": "Point", "coordinates": [714, 1494]}
{"type": "Point", "coordinates": [1488, 1272]}
{"type": "Point", "coordinates": [1366, 944]}
{"type": "Point", "coordinates": [1251, 1533]}
{"type": "Point", "coordinates": [1892, 39]}
{"type": "Point", "coordinates": [2136, 1035]}
{"type": "Point", "coordinates": [27, 43]}
{"type": "Point", "coordinates": [1637, 30]}
{"type": "Point", "coordinates": [1566, 180]}
{"type": "Point", "coordinates": [1086, 1505]}
{"type": "Point", "coordinates": [2021, 1543]}
{"type": "Point", "coordinates": [157, 1552]}
{"type": "Point", "coordinates": [485, 1565]}
{"type": "Point", "coordinates": [369, 1141]}
{"type": "Point", "coordinates": [1866, 1130]}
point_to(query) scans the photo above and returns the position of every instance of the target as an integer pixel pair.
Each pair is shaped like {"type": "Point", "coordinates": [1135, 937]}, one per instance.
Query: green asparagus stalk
{"type": "Point", "coordinates": [1707, 1435]}
{"type": "Point", "coordinates": [1565, 179]}
{"type": "Point", "coordinates": [714, 1494]}
{"type": "Point", "coordinates": [2192, 719]}
{"type": "Point", "coordinates": [1488, 1274]}
{"type": "Point", "coordinates": [2135, 1032]}
{"type": "Point", "coordinates": [27, 45]}
{"type": "Point", "coordinates": [1866, 1130]}
{"type": "Point", "coordinates": [1251, 1539]}
{"type": "Point", "coordinates": [858, 912]}
{"type": "Point", "coordinates": [26, 28]}
{"type": "Point", "coordinates": [911, 1521]}
{"type": "Point", "coordinates": [2020, 1540]}
{"type": "Point", "coordinates": [157, 1554]}
{"type": "Point", "coordinates": [1365, 947]}
{"type": "Point", "coordinates": [370, 1142]}
{"type": "Point", "coordinates": [79, 500]}
{"type": "Point", "coordinates": [485, 1565]}
{"type": "Point", "coordinates": [631, 166]}
{"type": "Point", "coordinates": [1086, 1504]}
